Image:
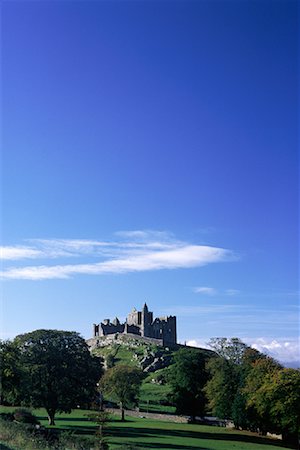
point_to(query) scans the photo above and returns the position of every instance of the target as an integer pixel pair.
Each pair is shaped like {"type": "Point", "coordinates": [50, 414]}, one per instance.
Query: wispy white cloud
{"type": "Point", "coordinates": [232, 292]}
{"type": "Point", "coordinates": [205, 290]}
{"type": "Point", "coordinates": [147, 235]}
{"type": "Point", "coordinates": [145, 251]}
{"type": "Point", "coordinates": [19, 252]}
{"type": "Point", "coordinates": [61, 248]}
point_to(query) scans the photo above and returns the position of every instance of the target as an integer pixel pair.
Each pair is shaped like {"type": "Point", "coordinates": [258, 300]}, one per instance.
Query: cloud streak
{"type": "Point", "coordinates": [16, 253]}
{"type": "Point", "coordinates": [205, 290]}
{"type": "Point", "coordinates": [137, 251]}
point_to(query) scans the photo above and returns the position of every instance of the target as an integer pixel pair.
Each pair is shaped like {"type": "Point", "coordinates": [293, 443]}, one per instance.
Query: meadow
{"type": "Point", "coordinates": [141, 433]}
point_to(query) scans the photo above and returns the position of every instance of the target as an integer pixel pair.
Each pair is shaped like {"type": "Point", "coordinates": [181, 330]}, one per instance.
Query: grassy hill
{"type": "Point", "coordinates": [153, 359]}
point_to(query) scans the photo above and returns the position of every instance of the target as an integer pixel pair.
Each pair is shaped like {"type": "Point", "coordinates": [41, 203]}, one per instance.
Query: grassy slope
{"type": "Point", "coordinates": [151, 394]}
{"type": "Point", "coordinates": [152, 434]}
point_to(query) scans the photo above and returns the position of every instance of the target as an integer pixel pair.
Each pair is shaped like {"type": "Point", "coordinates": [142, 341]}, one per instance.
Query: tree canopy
{"type": "Point", "coordinates": [253, 390]}
{"type": "Point", "coordinates": [274, 393]}
{"type": "Point", "coordinates": [122, 383]}
{"type": "Point", "coordinates": [10, 373]}
{"type": "Point", "coordinates": [187, 376]}
{"type": "Point", "coordinates": [222, 387]}
{"type": "Point", "coordinates": [57, 370]}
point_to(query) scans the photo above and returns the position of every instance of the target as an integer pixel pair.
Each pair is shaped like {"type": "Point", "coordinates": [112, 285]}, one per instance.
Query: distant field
{"type": "Point", "coordinates": [153, 434]}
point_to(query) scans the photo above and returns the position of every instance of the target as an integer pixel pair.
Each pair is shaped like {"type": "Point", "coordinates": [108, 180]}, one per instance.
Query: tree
{"type": "Point", "coordinates": [222, 387]}
{"type": "Point", "coordinates": [187, 376]}
{"type": "Point", "coordinates": [284, 393]}
{"type": "Point", "coordinates": [261, 370]}
{"type": "Point", "coordinates": [59, 372]}
{"type": "Point", "coordinates": [10, 373]}
{"type": "Point", "coordinates": [274, 393]}
{"type": "Point", "coordinates": [243, 415]}
{"type": "Point", "coordinates": [122, 383]}
{"type": "Point", "coordinates": [225, 389]}
{"type": "Point", "coordinates": [231, 349]}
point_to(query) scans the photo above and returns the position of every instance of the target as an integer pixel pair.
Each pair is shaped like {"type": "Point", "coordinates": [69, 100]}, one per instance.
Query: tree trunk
{"type": "Point", "coordinates": [51, 414]}
{"type": "Point", "coordinates": [122, 412]}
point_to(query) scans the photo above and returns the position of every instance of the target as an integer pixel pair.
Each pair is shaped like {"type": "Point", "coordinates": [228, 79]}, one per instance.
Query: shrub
{"type": "Point", "coordinates": [68, 440]}
{"type": "Point", "coordinates": [25, 416]}
{"type": "Point", "coordinates": [20, 435]}
{"type": "Point", "coordinates": [110, 361]}
{"type": "Point", "coordinates": [24, 436]}
{"type": "Point", "coordinates": [9, 417]}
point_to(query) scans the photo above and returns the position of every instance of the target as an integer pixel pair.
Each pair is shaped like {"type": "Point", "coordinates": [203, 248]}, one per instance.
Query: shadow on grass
{"type": "Point", "coordinates": [151, 432]}
{"type": "Point", "coordinates": [148, 433]}
{"type": "Point", "coordinates": [145, 446]}
{"type": "Point", "coordinates": [72, 419]}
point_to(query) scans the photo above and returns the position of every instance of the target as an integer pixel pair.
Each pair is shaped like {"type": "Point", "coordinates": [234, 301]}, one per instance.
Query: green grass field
{"type": "Point", "coordinates": [153, 434]}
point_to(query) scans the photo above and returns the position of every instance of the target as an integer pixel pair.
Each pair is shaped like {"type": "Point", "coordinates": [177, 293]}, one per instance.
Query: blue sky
{"type": "Point", "coordinates": [150, 153]}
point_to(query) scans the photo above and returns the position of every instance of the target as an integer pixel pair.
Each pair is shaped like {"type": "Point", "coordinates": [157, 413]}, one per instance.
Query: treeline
{"type": "Point", "coordinates": [240, 384]}
{"type": "Point", "coordinates": [55, 370]}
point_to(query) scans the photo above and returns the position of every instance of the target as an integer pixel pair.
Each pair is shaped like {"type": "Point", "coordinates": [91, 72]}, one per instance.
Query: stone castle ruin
{"type": "Point", "coordinates": [140, 323]}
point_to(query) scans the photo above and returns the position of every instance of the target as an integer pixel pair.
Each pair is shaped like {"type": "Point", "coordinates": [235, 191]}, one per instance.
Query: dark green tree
{"type": "Point", "coordinates": [274, 394]}
{"type": "Point", "coordinates": [243, 415]}
{"type": "Point", "coordinates": [188, 376]}
{"type": "Point", "coordinates": [10, 373]}
{"type": "Point", "coordinates": [222, 387]}
{"type": "Point", "coordinates": [283, 392]}
{"type": "Point", "coordinates": [59, 372]}
{"type": "Point", "coordinates": [260, 370]}
{"type": "Point", "coordinates": [122, 383]}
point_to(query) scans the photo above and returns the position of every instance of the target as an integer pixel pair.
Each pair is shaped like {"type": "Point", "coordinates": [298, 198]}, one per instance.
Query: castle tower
{"type": "Point", "coordinates": [147, 319]}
